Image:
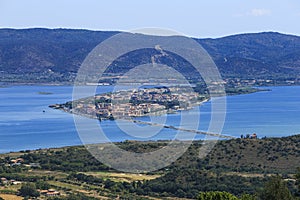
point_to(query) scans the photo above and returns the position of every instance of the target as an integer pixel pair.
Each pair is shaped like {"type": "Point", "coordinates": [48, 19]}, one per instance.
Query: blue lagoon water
{"type": "Point", "coordinates": [24, 125]}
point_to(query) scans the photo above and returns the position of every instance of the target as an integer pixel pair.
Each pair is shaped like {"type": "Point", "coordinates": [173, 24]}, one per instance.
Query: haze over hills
{"type": "Point", "coordinates": [54, 55]}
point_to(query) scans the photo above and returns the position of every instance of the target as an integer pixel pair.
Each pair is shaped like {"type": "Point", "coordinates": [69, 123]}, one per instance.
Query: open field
{"type": "Point", "coordinates": [10, 197]}
{"type": "Point", "coordinates": [120, 177]}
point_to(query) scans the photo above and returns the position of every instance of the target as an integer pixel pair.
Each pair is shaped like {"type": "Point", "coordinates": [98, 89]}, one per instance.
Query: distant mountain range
{"type": "Point", "coordinates": [54, 55]}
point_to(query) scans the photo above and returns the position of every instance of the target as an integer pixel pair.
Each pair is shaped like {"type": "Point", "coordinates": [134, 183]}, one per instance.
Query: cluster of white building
{"type": "Point", "coordinates": [136, 103]}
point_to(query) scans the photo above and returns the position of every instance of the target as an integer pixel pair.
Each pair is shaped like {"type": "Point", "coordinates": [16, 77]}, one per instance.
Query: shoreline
{"type": "Point", "coordinates": [91, 144]}
{"type": "Point", "coordinates": [51, 145]}
{"type": "Point", "coordinates": [9, 84]}
{"type": "Point", "coordinates": [24, 151]}
{"type": "Point", "coordinates": [133, 103]}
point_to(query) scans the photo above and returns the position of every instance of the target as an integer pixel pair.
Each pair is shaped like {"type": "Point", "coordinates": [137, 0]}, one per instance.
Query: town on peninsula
{"type": "Point", "coordinates": [125, 104]}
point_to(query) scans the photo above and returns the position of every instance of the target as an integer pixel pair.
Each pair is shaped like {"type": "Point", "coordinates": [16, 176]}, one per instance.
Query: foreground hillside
{"type": "Point", "coordinates": [54, 56]}
{"type": "Point", "coordinates": [237, 166]}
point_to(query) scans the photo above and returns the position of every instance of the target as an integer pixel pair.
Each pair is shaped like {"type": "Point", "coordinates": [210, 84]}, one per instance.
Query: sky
{"type": "Point", "coordinates": [196, 18]}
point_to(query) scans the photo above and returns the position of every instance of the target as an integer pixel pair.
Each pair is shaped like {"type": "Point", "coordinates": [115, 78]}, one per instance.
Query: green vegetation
{"type": "Point", "coordinates": [243, 169]}
{"type": "Point", "coordinates": [55, 55]}
{"type": "Point", "coordinates": [276, 189]}
{"type": "Point", "coordinates": [216, 196]}
{"type": "Point", "coordinates": [267, 155]}
{"type": "Point", "coordinates": [29, 190]}
{"type": "Point", "coordinates": [45, 93]}
{"type": "Point", "coordinates": [241, 90]}
{"type": "Point", "coordinates": [77, 196]}
{"type": "Point", "coordinates": [297, 176]}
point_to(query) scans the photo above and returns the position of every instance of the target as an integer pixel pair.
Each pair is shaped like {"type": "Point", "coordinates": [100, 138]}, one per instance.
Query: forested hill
{"type": "Point", "coordinates": [255, 54]}
{"type": "Point", "coordinates": [47, 55]}
{"type": "Point", "coordinates": [37, 50]}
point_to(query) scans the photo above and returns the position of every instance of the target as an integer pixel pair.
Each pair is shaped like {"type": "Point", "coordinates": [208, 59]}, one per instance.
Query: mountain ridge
{"type": "Point", "coordinates": [56, 54]}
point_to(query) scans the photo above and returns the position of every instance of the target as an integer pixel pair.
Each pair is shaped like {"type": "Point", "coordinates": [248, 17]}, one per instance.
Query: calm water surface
{"type": "Point", "coordinates": [24, 125]}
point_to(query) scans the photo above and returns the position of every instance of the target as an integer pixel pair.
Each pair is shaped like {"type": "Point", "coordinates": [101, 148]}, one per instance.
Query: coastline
{"type": "Point", "coordinates": [127, 104]}
{"type": "Point", "coordinates": [65, 142]}
{"type": "Point", "coordinates": [24, 151]}
{"type": "Point", "coordinates": [57, 148]}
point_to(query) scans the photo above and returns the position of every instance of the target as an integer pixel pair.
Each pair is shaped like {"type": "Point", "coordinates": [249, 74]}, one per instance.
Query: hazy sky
{"type": "Point", "coordinates": [198, 18]}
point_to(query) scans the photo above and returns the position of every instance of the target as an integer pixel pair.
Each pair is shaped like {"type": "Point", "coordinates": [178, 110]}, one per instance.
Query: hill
{"type": "Point", "coordinates": [54, 55]}
{"type": "Point", "coordinates": [237, 166]}
{"type": "Point", "coordinates": [255, 54]}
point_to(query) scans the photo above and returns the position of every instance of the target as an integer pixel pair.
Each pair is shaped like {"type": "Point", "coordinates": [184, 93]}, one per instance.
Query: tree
{"type": "Point", "coordinates": [29, 190]}
{"type": "Point", "coordinates": [248, 197]}
{"type": "Point", "coordinates": [43, 185]}
{"type": "Point", "coordinates": [297, 176]}
{"type": "Point", "coordinates": [216, 196]}
{"type": "Point", "coordinates": [276, 189]}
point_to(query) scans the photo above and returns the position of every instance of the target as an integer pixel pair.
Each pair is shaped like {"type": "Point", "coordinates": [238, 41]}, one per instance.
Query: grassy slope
{"type": "Point", "coordinates": [268, 155]}
{"type": "Point", "coordinates": [237, 166]}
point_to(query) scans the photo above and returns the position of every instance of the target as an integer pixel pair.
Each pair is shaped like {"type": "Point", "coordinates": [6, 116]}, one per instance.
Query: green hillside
{"type": "Point", "coordinates": [236, 166]}
{"type": "Point", "coordinates": [54, 55]}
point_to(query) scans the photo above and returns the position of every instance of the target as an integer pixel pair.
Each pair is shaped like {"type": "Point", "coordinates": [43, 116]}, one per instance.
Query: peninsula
{"type": "Point", "coordinates": [134, 103]}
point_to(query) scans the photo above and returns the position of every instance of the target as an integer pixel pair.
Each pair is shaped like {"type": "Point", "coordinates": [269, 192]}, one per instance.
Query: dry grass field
{"type": "Point", "coordinates": [10, 197]}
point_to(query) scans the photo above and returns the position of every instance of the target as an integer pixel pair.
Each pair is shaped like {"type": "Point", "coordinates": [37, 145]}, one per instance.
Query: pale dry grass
{"type": "Point", "coordinates": [10, 197]}
{"type": "Point", "coordinates": [128, 177]}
